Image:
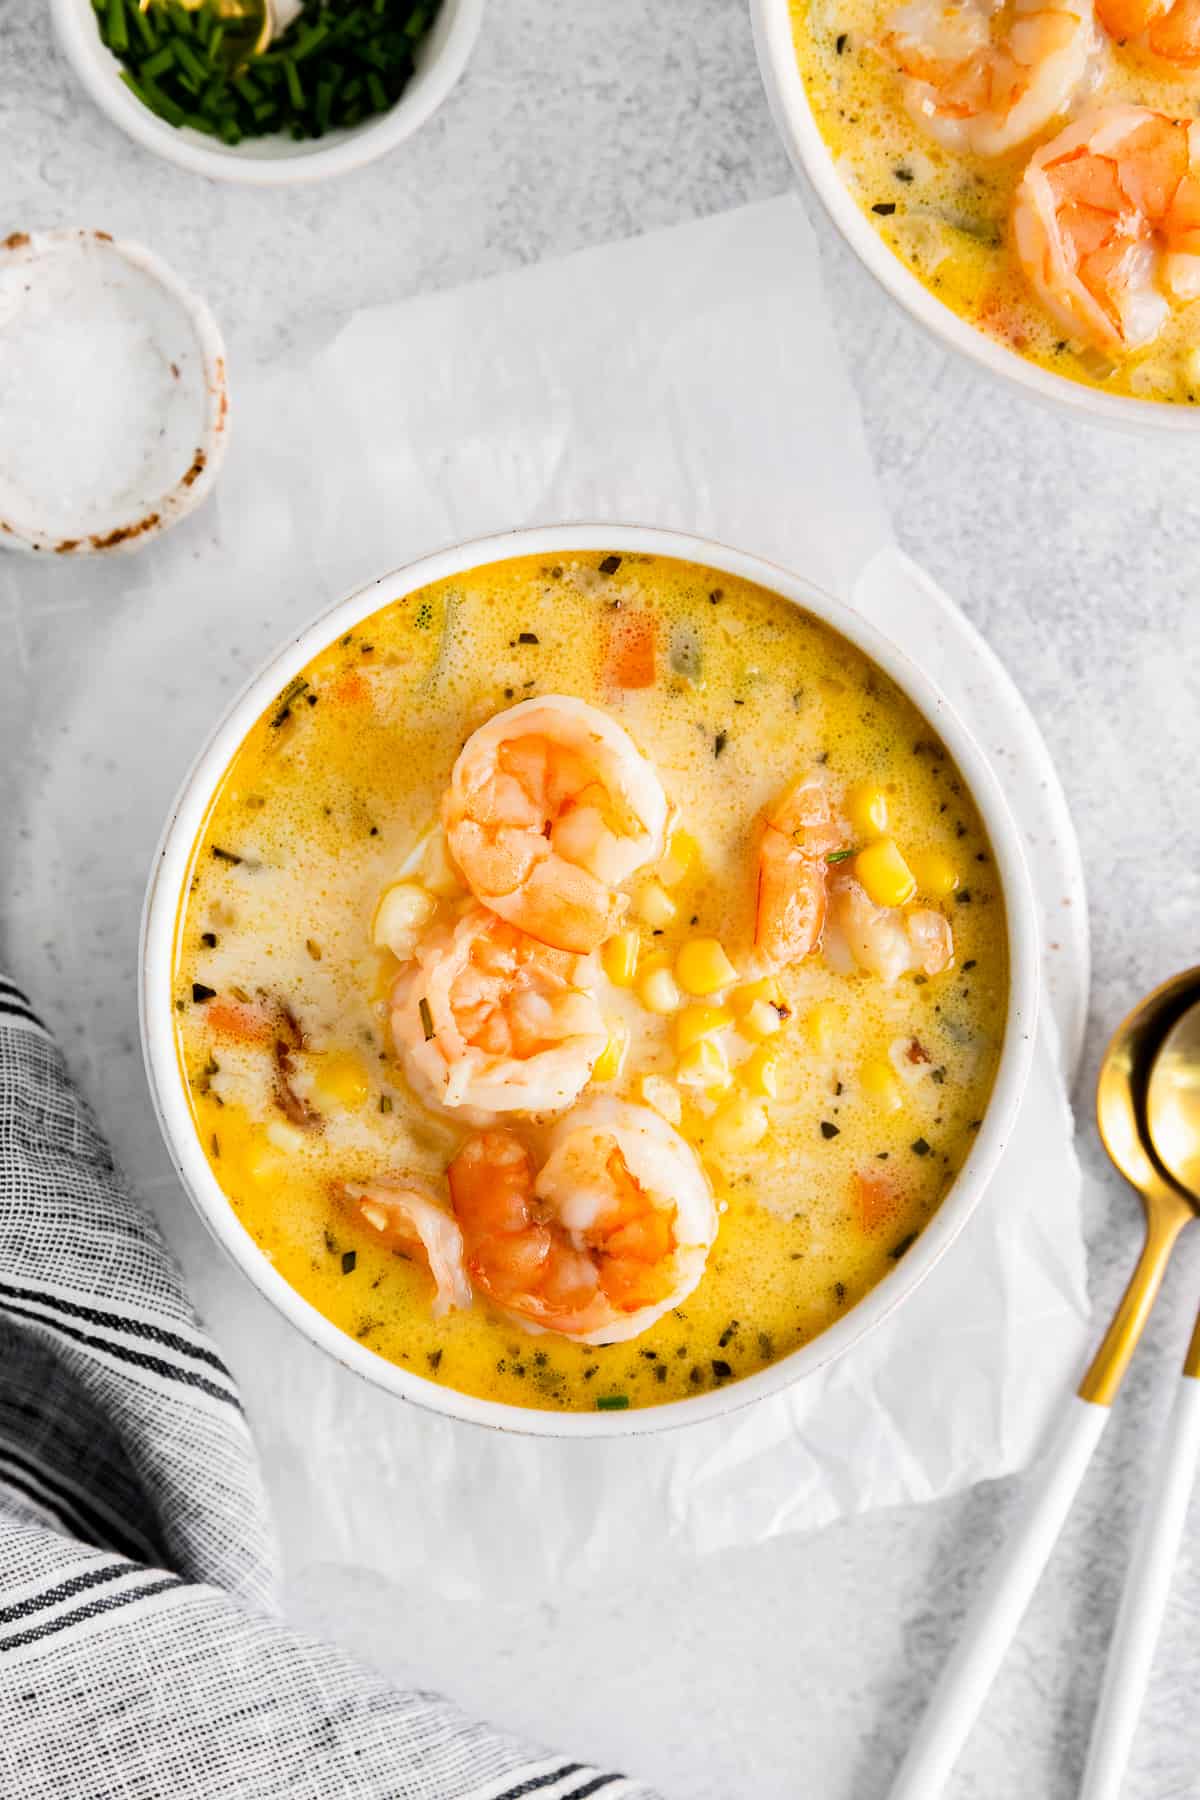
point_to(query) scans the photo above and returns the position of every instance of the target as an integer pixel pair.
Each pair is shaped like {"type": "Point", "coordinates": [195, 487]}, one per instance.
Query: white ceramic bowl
{"type": "Point", "coordinates": [272, 161]}
{"type": "Point", "coordinates": [810, 154]}
{"type": "Point", "coordinates": [161, 922]}
{"type": "Point", "coordinates": [114, 410]}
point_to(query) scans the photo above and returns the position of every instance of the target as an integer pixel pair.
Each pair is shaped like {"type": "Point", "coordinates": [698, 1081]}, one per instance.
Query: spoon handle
{"type": "Point", "coordinates": [993, 1619]}
{"type": "Point", "coordinates": [1144, 1597]}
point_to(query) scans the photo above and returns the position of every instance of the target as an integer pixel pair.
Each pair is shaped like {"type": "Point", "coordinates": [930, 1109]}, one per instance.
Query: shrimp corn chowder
{"type": "Point", "coordinates": [1035, 163]}
{"type": "Point", "coordinates": [590, 977]}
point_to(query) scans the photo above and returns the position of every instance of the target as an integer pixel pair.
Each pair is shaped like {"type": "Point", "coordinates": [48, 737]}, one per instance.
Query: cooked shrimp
{"type": "Point", "coordinates": [801, 831]}
{"type": "Point", "coordinates": [888, 941]}
{"type": "Point", "coordinates": [1169, 29]}
{"type": "Point", "coordinates": [406, 1219]}
{"type": "Point", "coordinates": [550, 808]}
{"type": "Point", "coordinates": [613, 1231]}
{"type": "Point", "coordinates": [984, 77]}
{"type": "Point", "coordinates": [1107, 224]}
{"type": "Point", "coordinates": [490, 1021]}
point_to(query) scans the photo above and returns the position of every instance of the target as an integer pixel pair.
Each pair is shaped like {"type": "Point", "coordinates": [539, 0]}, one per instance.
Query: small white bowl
{"type": "Point", "coordinates": [810, 154]}
{"type": "Point", "coordinates": [114, 412]}
{"type": "Point", "coordinates": [272, 161]}
{"type": "Point", "coordinates": [162, 918]}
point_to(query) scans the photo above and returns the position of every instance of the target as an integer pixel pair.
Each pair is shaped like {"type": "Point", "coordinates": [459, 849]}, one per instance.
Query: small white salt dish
{"type": "Point", "coordinates": [114, 411]}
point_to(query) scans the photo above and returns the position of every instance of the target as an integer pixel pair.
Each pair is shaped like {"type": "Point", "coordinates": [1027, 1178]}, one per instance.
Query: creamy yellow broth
{"type": "Point", "coordinates": [946, 215]}
{"type": "Point", "coordinates": [316, 816]}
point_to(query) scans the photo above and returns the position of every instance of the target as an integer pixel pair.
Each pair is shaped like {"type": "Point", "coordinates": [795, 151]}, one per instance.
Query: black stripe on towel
{"type": "Point", "coordinates": [155, 1364]}
{"type": "Point", "coordinates": [540, 1781]}
{"type": "Point", "coordinates": [139, 1328]}
{"type": "Point", "coordinates": [93, 1608]}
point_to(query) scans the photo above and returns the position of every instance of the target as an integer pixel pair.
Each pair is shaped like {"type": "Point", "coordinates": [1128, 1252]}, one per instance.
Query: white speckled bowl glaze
{"type": "Point", "coordinates": [162, 921]}
{"type": "Point", "coordinates": [272, 161]}
{"type": "Point", "coordinates": [811, 155]}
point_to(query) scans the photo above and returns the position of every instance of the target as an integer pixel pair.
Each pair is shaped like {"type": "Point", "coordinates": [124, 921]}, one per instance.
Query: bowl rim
{"type": "Point", "coordinates": [158, 513]}
{"type": "Point", "coordinates": [446, 49]}
{"type": "Point", "coordinates": [788, 100]}
{"type": "Point", "coordinates": [160, 924]}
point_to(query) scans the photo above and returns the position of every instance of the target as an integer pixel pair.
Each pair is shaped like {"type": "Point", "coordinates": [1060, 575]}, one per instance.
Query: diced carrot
{"type": "Point", "coordinates": [629, 650]}
{"type": "Point", "coordinates": [239, 1024]}
{"type": "Point", "coordinates": [875, 1199]}
{"type": "Point", "coordinates": [351, 689]}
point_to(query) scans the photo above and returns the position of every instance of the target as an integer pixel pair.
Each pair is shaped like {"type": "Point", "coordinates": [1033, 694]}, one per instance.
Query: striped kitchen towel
{"type": "Point", "coordinates": [141, 1651]}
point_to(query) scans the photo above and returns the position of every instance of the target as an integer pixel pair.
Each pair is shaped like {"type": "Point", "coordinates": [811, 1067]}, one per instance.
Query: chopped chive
{"type": "Point", "coordinates": [158, 64]}
{"type": "Point", "coordinates": [837, 856]}
{"type": "Point", "coordinates": [117, 26]}
{"type": "Point", "coordinates": [426, 1018]}
{"type": "Point", "coordinates": [612, 1402]}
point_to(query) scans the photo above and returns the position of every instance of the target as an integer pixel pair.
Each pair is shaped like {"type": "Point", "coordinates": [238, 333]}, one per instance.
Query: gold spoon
{"type": "Point", "coordinates": [992, 1622]}
{"type": "Point", "coordinates": [249, 25]}
{"type": "Point", "coordinates": [1173, 1130]}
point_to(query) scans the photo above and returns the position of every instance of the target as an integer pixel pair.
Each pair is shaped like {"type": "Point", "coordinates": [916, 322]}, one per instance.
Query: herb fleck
{"type": "Point", "coordinates": [201, 993]}
{"type": "Point", "coordinates": [719, 742]}
{"type": "Point", "coordinates": [612, 1402]}
{"type": "Point", "coordinates": [209, 939]}
{"type": "Point", "coordinates": [609, 565]}
{"type": "Point", "coordinates": [920, 1147]}
{"type": "Point", "coordinates": [426, 1018]}
{"type": "Point", "coordinates": [829, 1129]}
{"type": "Point", "coordinates": [349, 1261]}
{"type": "Point", "coordinates": [885, 208]}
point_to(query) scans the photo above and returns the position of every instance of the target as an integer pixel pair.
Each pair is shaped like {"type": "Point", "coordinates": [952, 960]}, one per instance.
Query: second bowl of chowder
{"type": "Point", "coordinates": [588, 980]}
{"type": "Point", "coordinates": [1031, 200]}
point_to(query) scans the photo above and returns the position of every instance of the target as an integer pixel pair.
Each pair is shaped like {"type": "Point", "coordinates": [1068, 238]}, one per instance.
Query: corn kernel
{"type": "Point", "coordinates": [657, 990]}
{"type": "Point", "coordinates": [696, 1022]}
{"type": "Point", "coordinates": [867, 810]}
{"type": "Point", "coordinates": [738, 1125]}
{"type": "Point", "coordinates": [761, 1020]}
{"type": "Point", "coordinates": [821, 1024]}
{"type": "Point", "coordinates": [607, 1065]}
{"type": "Point", "coordinates": [619, 957]}
{"type": "Point", "coordinates": [881, 1085]}
{"type": "Point", "coordinates": [682, 852]}
{"type": "Point", "coordinates": [760, 1071]}
{"type": "Point", "coordinates": [766, 988]}
{"type": "Point", "coordinates": [705, 1065]}
{"type": "Point", "coordinates": [934, 873]}
{"type": "Point", "coordinates": [663, 1096]}
{"type": "Point", "coordinates": [342, 1080]}
{"type": "Point", "coordinates": [884, 874]}
{"type": "Point", "coordinates": [403, 912]}
{"type": "Point", "coordinates": [655, 906]}
{"type": "Point", "coordinates": [702, 967]}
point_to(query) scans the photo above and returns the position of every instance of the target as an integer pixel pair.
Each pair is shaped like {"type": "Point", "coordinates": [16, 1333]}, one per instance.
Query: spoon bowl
{"type": "Point", "coordinates": [1173, 1103]}
{"type": "Point", "coordinates": [1122, 1089]}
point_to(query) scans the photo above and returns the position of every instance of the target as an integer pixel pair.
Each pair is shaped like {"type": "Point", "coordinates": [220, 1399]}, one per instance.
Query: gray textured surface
{"type": "Point", "coordinates": [798, 1668]}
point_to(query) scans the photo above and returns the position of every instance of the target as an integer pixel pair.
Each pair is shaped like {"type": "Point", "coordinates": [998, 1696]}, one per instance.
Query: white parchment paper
{"type": "Point", "coordinates": [687, 379]}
